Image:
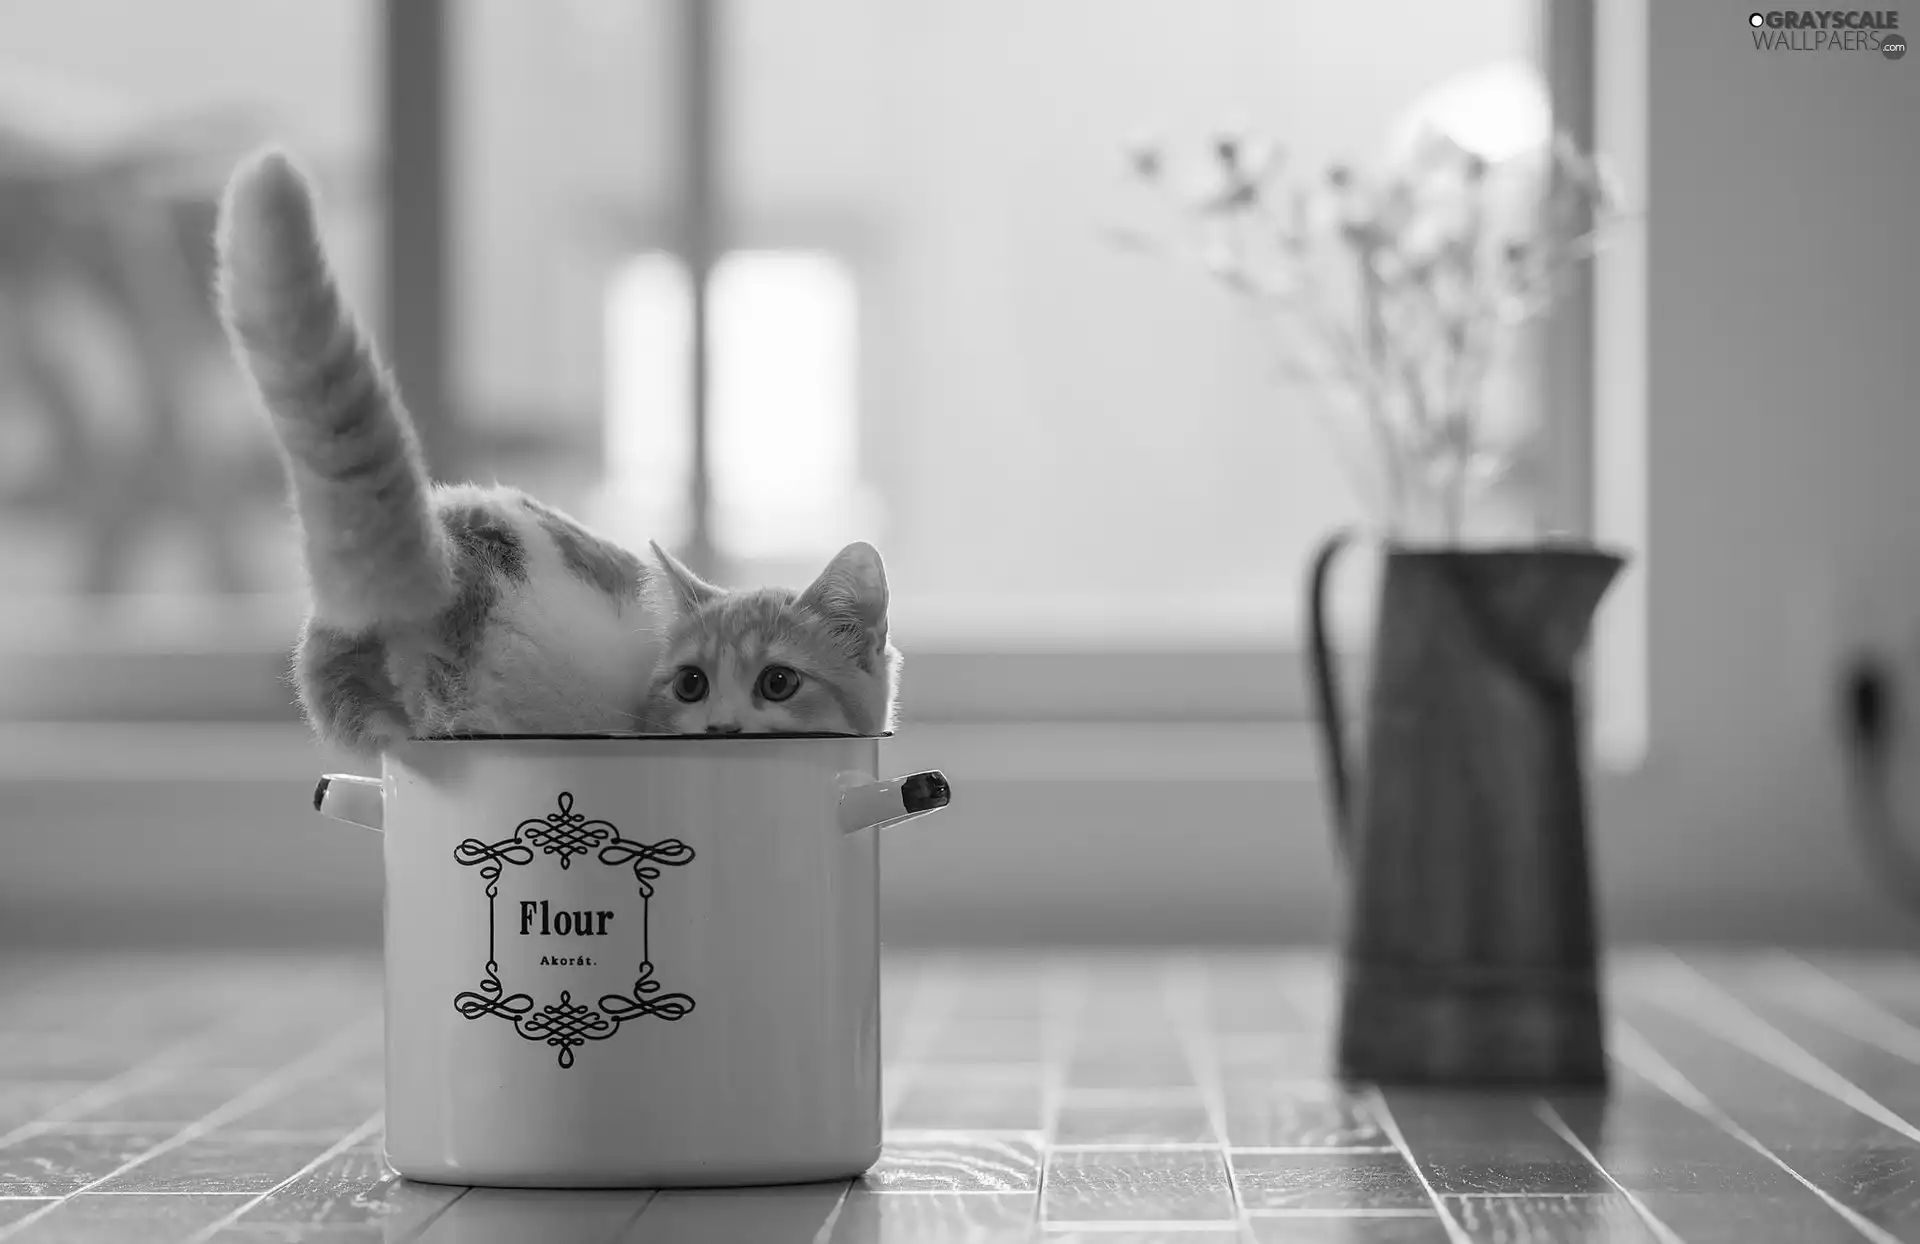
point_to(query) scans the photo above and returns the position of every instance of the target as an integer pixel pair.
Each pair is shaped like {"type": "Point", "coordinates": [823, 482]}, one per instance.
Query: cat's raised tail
{"type": "Point", "coordinates": [374, 552]}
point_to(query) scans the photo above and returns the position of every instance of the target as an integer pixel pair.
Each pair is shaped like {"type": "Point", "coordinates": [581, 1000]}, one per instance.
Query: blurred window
{"type": "Point", "coordinates": [922, 333]}
{"type": "Point", "coordinates": [143, 525]}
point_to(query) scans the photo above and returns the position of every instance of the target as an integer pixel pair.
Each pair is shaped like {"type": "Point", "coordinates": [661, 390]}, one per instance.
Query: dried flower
{"type": "Point", "coordinates": [1402, 291]}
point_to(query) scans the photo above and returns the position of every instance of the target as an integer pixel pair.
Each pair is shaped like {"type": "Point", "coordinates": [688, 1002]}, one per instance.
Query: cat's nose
{"type": "Point", "coordinates": [726, 728]}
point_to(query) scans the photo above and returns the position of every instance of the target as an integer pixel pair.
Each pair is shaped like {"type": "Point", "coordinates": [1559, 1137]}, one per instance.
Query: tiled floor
{"type": "Point", "coordinates": [1763, 1097]}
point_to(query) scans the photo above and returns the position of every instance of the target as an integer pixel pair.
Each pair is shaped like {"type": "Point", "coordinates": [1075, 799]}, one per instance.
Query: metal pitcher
{"type": "Point", "coordinates": [1471, 949]}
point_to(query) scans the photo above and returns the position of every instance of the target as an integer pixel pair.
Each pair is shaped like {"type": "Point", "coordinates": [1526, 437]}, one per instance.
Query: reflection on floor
{"type": "Point", "coordinates": [1761, 1097]}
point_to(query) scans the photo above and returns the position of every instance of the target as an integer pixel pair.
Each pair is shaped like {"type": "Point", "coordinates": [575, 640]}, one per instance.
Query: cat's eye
{"type": "Point", "coordinates": [689, 685]}
{"type": "Point", "coordinates": [777, 683]}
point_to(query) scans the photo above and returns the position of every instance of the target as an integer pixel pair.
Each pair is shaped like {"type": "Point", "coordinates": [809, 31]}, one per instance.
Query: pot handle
{"type": "Point", "coordinates": [880, 805]}
{"type": "Point", "coordinates": [352, 798]}
{"type": "Point", "coordinates": [1326, 687]}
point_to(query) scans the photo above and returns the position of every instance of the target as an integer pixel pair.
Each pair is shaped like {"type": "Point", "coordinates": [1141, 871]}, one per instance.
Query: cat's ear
{"type": "Point", "coordinates": [689, 588]}
{"type": "Point", "coordinates": [852, 592]}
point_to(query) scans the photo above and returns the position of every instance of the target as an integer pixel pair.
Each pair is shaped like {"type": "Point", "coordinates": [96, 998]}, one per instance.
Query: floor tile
{"type": "Point", "coordinates": [24, 1102]}
{"type": "Point", "coordinates": [1648, 1142]}
{"type": "Point", "coordinates": [334, 1102]}
{"type": "Point", "coordinates": [14, 1211]}
{"type": "Point", "coordinates": [935, 1218]}
{"type": "Point", "coordinates": [1488, 1143]}
{"type": "Point", "coordinates": [1300, 1114]}
{"type": "Point", "coordinates": [1888, 982]}
{"type": "Point", "coordinates": [1769, 1103]}
{"type": "Point", "coordinates": [264, 1046]}
{"type": "Point", "coordinates": [1356, 1181]}
{"type": "Point", "coordinates": [1127, 1061]}
{"type": "Point", "coordinates": [1132, 1117]}
{"type": "Point", "coordinates": [170, 1096]}
{"type": "Point", "coordinates": [1211, 1233]}
{"type": "Point", "coordinates": [1274, 1056]}
{"type": "Point", "coordinates": [1736, 1217]}
{"type": "Point", "coordinates": [1559, 1219]}
{"type": "Point", "coordinates": [1881, 1184]}
{"type": "Point", "coordinates": [956, 1164]}
{"type": "Point", "coordinates": [988, 1041]}
{"type": "Point", "coordinates": [507, 1216]}
{"type": "Point", "coordinates": [1887, 1077]}
{"type": "Point", "coordinates": [352, 1189]}
{"type": "Point", "coordinates": [1869, 1166]}
{"type": "Point", "coordinates": [57, 1162]}
{"type": "Point", "coordinates": [1136, 1185]}
{"type": "Point", "coordinates": [87, 1219]}
{"type": "Point", "coordinates": [983, 1099]}
{"type": "Point", "coordinates": [91, 1055]}
{"type": "Point", "coordinates": [1130, 1061]}
{"type": "Point", "coordinates": [795, 1215]}
{"type": "Point", "coordinates": [220, 1162]}
{"type": "Point", "coordinates": [1314, 1229]}
{"type": "Point", "coordinates": [1263, 1009]}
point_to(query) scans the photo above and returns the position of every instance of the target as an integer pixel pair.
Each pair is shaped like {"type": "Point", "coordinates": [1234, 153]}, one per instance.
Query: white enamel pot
{"type": "Point", "coordinates": [632, 962]}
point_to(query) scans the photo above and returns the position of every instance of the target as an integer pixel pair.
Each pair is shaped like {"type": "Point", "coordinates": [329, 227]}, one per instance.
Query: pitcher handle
{"type": "Point", "coordinates": [1326, 687]}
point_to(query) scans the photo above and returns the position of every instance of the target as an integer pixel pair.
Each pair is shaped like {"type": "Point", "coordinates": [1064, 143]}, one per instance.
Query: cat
{"type": "Point", "coordinates": [450, 609]}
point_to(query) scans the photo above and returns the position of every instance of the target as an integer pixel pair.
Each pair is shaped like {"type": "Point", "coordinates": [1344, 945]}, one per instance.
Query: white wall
{"type": "Point", "coordinates": [1783, 450]}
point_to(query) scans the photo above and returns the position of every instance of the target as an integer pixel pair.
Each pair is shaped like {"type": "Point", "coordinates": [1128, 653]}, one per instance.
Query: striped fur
{"type": "Point", "coordinates": [374, 553]}
{"type": "Point", "coordinates": [446, 609]}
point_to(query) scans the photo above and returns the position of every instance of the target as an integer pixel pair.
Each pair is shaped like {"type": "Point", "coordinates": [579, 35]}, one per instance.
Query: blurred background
{"type": "Point", "coordinates": [1096, 503]}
